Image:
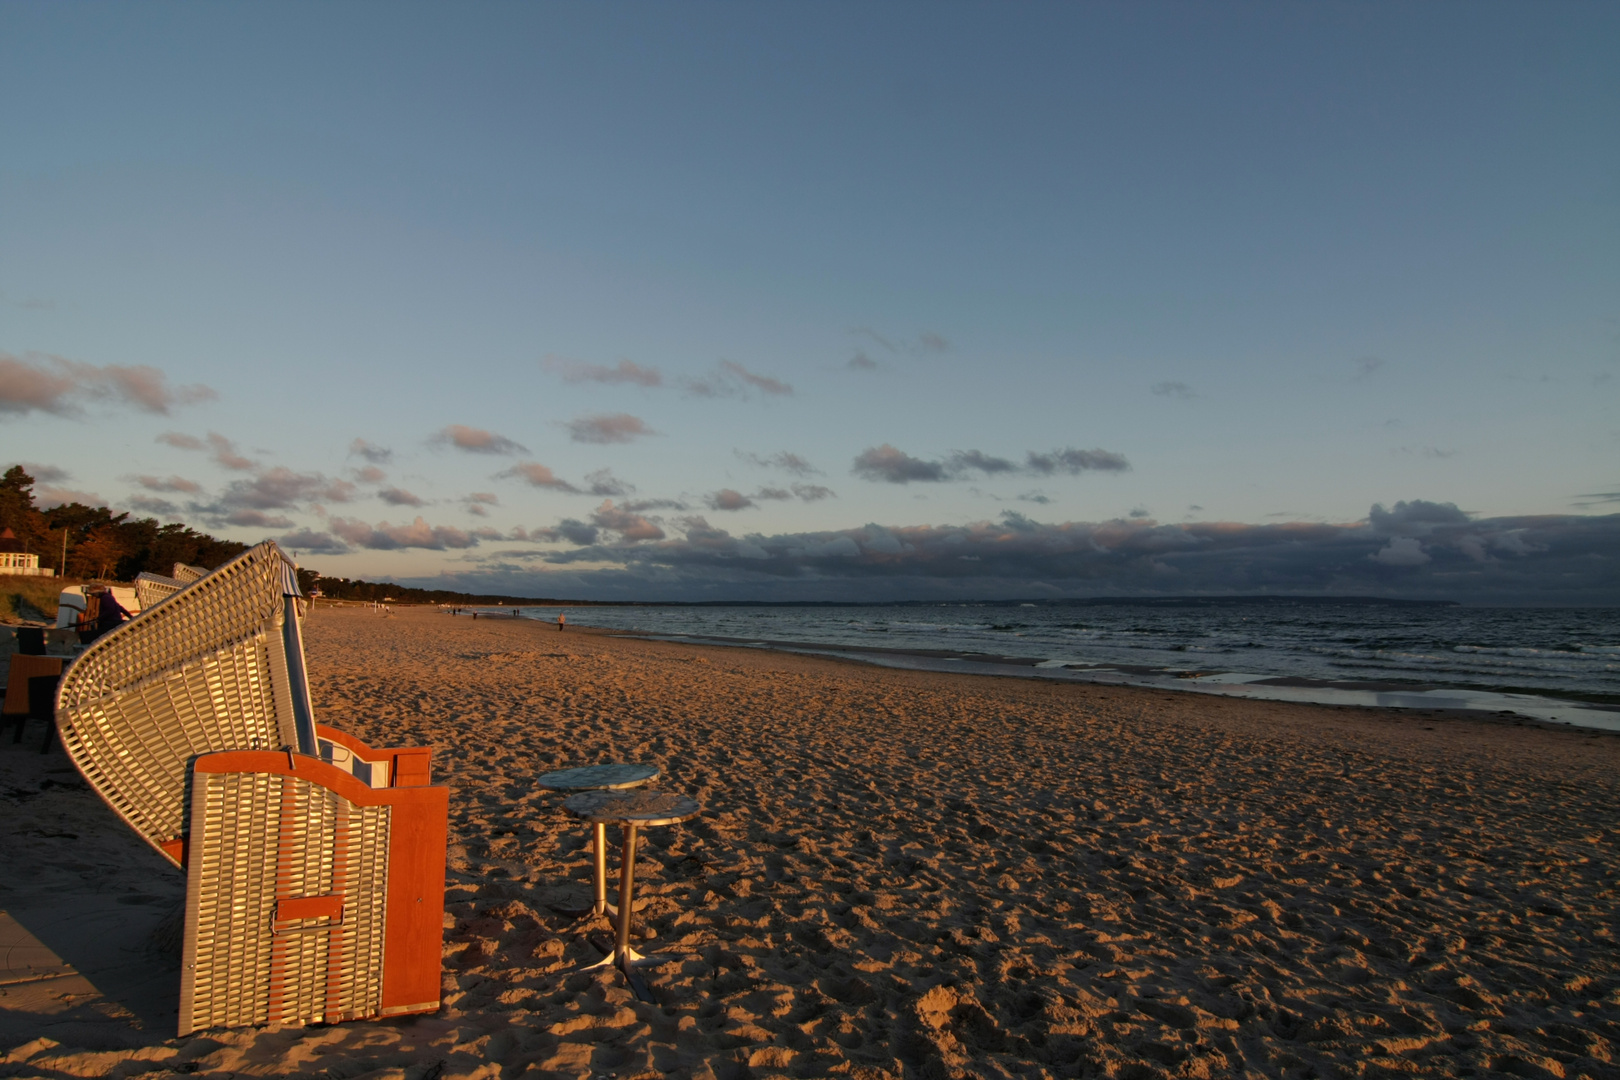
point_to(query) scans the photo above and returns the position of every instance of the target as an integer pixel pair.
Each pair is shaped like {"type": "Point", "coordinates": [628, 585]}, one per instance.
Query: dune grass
{"type": "Point", "coordinates": [30, 599]}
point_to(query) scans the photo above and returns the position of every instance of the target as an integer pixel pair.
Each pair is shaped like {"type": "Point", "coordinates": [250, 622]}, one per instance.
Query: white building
{"type": "Point", "coordinates": [14, 560]}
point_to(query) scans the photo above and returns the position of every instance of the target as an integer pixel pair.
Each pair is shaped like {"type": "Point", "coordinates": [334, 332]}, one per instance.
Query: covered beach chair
{"type": "Point", "coordinates": [314, 864]}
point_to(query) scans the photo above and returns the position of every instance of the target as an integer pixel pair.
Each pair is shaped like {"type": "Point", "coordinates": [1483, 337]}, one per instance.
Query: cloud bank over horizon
{"type": "Point", "coordinates": [1414, 550]}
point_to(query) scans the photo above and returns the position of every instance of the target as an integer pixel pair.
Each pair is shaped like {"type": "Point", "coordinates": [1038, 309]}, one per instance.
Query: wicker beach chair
{"type": "Point", "coordinates": [314, 863]}
{"type": "Point", "coordinates": [152, 589]}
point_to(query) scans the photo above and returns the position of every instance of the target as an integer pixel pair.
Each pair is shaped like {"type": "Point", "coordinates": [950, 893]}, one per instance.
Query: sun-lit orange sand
{"type": "Point", "coordinates": [898, 874]}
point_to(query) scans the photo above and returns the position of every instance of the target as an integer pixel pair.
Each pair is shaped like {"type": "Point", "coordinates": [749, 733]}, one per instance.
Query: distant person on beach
{"type": "Point", "coordinates": [562, 620]}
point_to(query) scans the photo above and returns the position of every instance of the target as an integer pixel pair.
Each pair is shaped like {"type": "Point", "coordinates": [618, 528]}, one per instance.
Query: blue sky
{"type": "Point", "coordinates": [611, 299]}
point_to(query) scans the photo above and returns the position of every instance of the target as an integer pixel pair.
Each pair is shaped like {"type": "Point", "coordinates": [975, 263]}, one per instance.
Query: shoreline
{"type": "Point", "coordinates": [898, 874]}
{"type": "Point", "coordinates": [1568, 710]}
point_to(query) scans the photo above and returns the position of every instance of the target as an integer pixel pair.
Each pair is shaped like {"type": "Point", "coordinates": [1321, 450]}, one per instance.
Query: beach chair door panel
{"type": "Point", "coordinates": [285, 903]}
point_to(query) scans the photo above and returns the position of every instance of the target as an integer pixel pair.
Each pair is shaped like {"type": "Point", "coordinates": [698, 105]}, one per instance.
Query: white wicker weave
{"type": "Point", "coordinates": [207, 669]}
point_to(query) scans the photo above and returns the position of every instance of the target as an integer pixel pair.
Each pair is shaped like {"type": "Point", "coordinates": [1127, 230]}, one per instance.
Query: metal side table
{"type": "Point", "coordinates": [634, 810]}
{"type": "Point", "coordinates": [599, 778]}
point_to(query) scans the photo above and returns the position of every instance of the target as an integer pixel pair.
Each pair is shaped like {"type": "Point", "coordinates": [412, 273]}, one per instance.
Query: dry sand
{"type": "Point", "coordinates": [897, 874]}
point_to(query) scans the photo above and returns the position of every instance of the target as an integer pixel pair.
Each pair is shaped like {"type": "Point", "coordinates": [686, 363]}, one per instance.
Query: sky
{"type": "Point", "coordinates": [832, 300]}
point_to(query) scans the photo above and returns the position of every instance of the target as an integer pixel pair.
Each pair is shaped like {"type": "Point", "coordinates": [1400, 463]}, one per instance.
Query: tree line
{"type": "Point", "coordinates": [99, 543]}
{"type": "Point", "coordinates": [116, 547]}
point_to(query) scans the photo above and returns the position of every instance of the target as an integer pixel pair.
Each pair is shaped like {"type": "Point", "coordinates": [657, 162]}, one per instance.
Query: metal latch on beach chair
{"type": "Point", "coordinates": [300, 908]}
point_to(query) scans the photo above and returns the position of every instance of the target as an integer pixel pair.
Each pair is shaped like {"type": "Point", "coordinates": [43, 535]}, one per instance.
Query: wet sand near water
{"type": "Point", "coordinates": [914, 874]}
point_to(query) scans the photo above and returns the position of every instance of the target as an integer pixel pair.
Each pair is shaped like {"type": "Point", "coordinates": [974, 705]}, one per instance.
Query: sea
{"type": "Point", "coordinates": [1557, 665]}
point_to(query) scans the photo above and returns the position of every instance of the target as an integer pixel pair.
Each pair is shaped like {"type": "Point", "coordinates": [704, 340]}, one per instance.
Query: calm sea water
{"type": "Point", "coordinates": [1553, 663]}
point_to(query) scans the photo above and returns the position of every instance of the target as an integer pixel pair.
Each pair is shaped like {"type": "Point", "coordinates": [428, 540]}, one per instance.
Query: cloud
{"type": "Point", "coordinates": [370, 474]}
{"type": "Point", "coordinates": [885, 463]}
{"type": "Point", "coordinates": [48, 496]}
{"type": "Point", "coordinates": [614, 428]}
{"type": "Point", "coordinates": [395, 496]}
{"type": "Point", "coordinates": [1554, 559]}
{"type": "Point", "coordinates": [44, 474]}
{"type": "Point", "coordinates": [281, 488]}
{"type": "Point", "coordinates": [148, 505]}
{"type": "Point", "coordinates": [169, 484]}
{"type": "Point", "coordinates": [731, 379]}
{"type": "Point", "coordinates": [784, 460]}
{"type": "Point", "coordinates": [1074, 461]}
{"type": "Point", "coordinates": [386, 537]}
{"type": "Point", "coordinates": [631, 526]}
{"type": "Point", "coordinates": [221, 449]}
{"type": "Point", "coordinates": [625, 371]}
{"type": "Point", "coordinates": [477, 440]}
{"type": "Point", "coordinates": [602, 482]}
{"type": "Point", "coordinates": [257, 519]}
{"type": "Point", "coordinates": [1597, 498]}
{"type": "Point", "coordinates": [573, 531]}
{"type": "Point", "coordinates": [861, 362]}
{"type": "Point", "coordinates": [925, 343]}
{"type": "Point", "coordinates": [1416, 517]}
{"type": "Point", "coordinates": [478, 504]}
{"type": "Point", "coordinates": [537, 475]}
{"type": "Point", "coordinates": [813, 492]}
{"type": "Point", "coordinates": [54, 384]}
{"type": "Point", "coordinates": [961, 461]}
{"type": "Point", "coordinates": [1173, 390]}
{"type": "Point", "coordinates": [313, 543]}
{"type": "Point", "coordinates": [377, 455]}
{"type": "Point", "coordinates": [1407, 551]}
{"type": "Point", "coordinates": [727, 499]}
{"type": "Point", "coordinates": [1367, 366]}
{"type": "Point", "coordinates": [894, 466]}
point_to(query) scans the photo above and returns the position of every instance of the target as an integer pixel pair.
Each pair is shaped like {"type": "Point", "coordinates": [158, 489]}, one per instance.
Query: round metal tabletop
{"type": "Point", "coordinates": [633, 807]}
{"type": "Point", "coordinates": [599, 778]}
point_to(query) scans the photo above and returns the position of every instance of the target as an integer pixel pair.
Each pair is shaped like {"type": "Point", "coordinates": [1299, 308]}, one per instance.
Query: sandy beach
{"type": "Point", "coordinates": [896, 874]}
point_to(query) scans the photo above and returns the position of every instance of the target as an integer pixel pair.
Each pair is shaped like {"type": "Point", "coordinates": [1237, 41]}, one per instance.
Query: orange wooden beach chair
{"type": "Point", "coordinates": [314, 864]}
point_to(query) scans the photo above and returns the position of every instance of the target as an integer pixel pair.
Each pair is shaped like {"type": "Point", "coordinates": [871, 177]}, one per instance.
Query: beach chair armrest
{"type": "Point", "coordinates": [398, 766]}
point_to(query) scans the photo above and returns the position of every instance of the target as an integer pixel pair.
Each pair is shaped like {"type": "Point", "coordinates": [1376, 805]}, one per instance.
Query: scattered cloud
{"type": "Point", "coordinates": [888, 464]}
{"type": "Point", "coordinates": [926, 343]}
{"type": "Point", "coordinates": [313, 543]}
{"type": "Point", "coordinates": [48, 496]}
{"type": "Point", "coordinates": [370, 474]}
{"type": "Point", "coordinates": [570, 530]}
{"type": "Point", "coordinates": [54, 384]}
{"type": "Point", "coordinates": [221, 449]}
{"type": "Point", "coordinates": [603, 483]}
{"type": "Point", "coordinates": [146, 504]}
{"type": "Point", "coordinates": [256, 519]}
{"type": "Point", "coordinates": [169, 484]}
{"type": "Point", "coordinates": [537, 475]}
{"type": "Point", "coordinates": [1597, 498]}
{"type": "Point", "coordinates": [377, 455]}
{"type": "Point", "coordinates": [1173, 390]}
{"type": "Point", "coordinates": [477, 440]}
{"type": "Point", "coordinates": [478, 504]}
{"type": "Point", "coordinates": [727, 499]}
{"type": "Point", "coordinates": [629, 525]}
{"type": "Point", "coordinates": [625, 371]}
{"type": "Point", "coordinates": [385, 537]}
{"type": "Point", "coordinates": [784, 460]}
{"type": "Point", "coordinates": [1074, 462]}
{"type": "Point", "coordinates": [813, 492]}
{"type": "Point", "coordinates": [396, 496]}
{"type": "Point", "coordinates": [1416, 517]}
{"type": "Point", "coordinates": [614, 428]}
{"type": "Point", "coordinates": [44, 474]}
{"type": "Point", "coordinates": [961, 461]}
{"type": "Point", "coordinates": [731, 379]}
{"type": "Point", "coordinates": [1367, 366]}
{"type": "Point", "coordinates": [281, 488]}
{"type": "Point", "coordinates": [861, 362]}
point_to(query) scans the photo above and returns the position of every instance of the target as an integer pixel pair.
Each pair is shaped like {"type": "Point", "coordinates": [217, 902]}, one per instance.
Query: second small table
{"type": "Point", "coordinates": [634, 810]}
{"type": "Point", "coordinates": [612, 777]}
